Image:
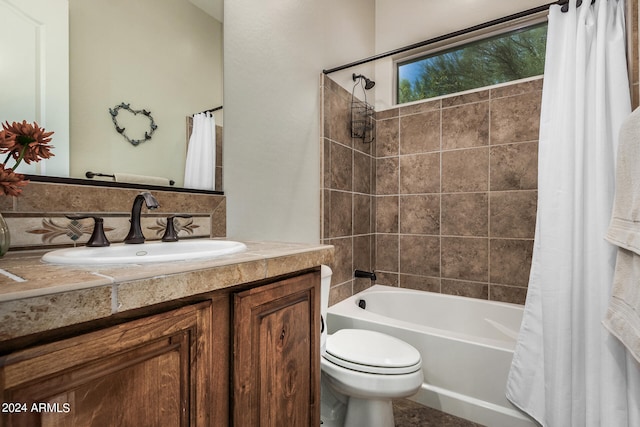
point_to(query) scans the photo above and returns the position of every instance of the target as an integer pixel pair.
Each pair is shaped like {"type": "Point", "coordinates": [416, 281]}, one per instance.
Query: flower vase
{"type": "Point", "coordinates": [5, 237]}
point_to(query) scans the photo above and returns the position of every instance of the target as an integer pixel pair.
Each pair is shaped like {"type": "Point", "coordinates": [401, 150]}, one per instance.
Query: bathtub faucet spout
{"type": "Point", "coordinates": [365, 274]}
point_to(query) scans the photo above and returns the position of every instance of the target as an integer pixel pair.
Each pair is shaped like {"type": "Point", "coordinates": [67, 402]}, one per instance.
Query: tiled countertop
{"type": "Point", "coordinates": [36, 297]}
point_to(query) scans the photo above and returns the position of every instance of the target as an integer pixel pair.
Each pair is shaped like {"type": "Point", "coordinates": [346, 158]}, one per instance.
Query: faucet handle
{"type": "Point", "coordinates": [170, 233]}
{"type": "Point", "coordinates": [98, 238]}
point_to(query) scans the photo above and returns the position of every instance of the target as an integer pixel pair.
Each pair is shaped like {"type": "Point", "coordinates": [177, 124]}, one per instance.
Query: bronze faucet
{"type": "Point", "coordinates": [135, 231]}
{"type": "Point", "coordinates": [170, 232]}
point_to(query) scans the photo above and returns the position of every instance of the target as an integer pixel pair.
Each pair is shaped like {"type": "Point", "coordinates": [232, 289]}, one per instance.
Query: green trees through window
{"type": "Point", "coordinates": [508, 56]}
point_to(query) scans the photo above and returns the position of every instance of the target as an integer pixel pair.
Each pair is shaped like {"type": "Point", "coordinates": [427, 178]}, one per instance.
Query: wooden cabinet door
{"type": "Point", "coordinates": [276, 359]}
{"type": "Point", "coordinates": [148, 372]}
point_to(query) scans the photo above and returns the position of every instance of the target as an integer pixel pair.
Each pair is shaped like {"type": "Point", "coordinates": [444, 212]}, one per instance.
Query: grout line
{"type": "Point", "coordinates": [440, 201]}
{"type": "Point", "coordinates": [489, 199]}
{"type": "Point", "coordinates": [12, 276]}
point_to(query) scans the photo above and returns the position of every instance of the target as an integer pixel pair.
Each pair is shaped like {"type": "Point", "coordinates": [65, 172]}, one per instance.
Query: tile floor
{"type": "Point", "coordinates": [411, 414]}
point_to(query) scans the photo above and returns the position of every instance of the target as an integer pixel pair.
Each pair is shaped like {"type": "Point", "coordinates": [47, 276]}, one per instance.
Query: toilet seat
{"type": "Point", "coordinates": [372, 352]}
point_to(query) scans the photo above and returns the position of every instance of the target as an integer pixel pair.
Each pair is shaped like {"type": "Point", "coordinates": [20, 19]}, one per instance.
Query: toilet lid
{"type": "Point", "coordinates": [370, 351]}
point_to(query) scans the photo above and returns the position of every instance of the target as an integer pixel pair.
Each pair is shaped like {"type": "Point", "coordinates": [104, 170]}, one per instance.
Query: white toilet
{"type": "Point", "coordinates": [362, 371]}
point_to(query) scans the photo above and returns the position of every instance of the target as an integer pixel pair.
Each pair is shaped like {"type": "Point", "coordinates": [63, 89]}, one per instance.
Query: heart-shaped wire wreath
{"type": "Point", "coordinates": [121, 130]}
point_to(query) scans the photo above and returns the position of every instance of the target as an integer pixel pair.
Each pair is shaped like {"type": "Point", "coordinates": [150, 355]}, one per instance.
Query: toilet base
{"type": "Point", "coordinates": [369, 413]}
{"type": "Point", "coordinates": [333, 405]}
{"type": "Point", "coordinates": [355, 399]}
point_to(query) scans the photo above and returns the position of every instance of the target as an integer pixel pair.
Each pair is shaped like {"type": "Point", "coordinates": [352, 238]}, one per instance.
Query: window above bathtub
{"type": "Point", "coordinates": [502, 55]}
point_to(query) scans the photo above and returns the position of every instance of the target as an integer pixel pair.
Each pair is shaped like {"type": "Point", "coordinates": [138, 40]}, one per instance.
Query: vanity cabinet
{"type": "Point", "coordinates": [147, 372]}
{"type": "Point", "coordinates": [276, 356]}
{"type": "Point", "coordinates": [243, 356]}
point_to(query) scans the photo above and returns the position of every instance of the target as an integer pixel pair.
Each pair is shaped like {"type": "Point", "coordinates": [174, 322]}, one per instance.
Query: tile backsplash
{"type": "Point", "coordinates": [37, 219]}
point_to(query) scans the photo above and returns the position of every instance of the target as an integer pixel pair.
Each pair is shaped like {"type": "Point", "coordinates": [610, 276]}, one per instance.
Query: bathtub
{"type": "Point", "coordinates": [466, 346]}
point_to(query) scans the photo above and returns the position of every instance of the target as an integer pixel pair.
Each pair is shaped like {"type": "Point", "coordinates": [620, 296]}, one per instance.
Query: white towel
{"type": "Point", "coordinates": [200, 167]}
{"type": "Point", "coordinates": [623, 314]}
{"type": "Point", "coordinates": [141, 179]}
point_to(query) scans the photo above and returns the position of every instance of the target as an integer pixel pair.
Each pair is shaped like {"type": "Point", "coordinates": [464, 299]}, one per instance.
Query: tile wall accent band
{"type": "Point", "coordinates": [37, 232]}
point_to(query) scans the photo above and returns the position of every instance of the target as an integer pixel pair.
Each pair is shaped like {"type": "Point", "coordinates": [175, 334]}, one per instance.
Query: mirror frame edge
{"type": "Point", "coordinates": [80, 181]}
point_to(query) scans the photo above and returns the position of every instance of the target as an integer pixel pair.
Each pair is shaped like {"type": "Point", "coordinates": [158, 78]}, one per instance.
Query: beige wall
{"type": "Point", "coordinates": [163, 56]}
{"type": "Point", "coordinates": [274, 52]}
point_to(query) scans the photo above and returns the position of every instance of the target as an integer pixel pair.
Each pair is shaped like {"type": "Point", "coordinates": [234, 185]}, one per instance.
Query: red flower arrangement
{"type": "Point", "coordinates": [21, 141]}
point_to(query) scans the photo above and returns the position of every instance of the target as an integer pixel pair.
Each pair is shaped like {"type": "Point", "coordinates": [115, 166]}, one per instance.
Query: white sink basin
{"type": "Point", "coordinates": [183, 250]}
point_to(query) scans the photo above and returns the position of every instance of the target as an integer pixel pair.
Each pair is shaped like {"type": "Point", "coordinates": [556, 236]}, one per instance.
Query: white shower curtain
{"type": "Point", "coordinates": [567, 370]}
{"type": "Point", "coordinates": [200, 167]}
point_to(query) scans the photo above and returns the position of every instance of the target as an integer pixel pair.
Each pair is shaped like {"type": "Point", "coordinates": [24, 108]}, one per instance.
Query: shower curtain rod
{"type": "Point", "coordinates": [211, 110]}
{"type": "Point", "coordinates": [424, 43]}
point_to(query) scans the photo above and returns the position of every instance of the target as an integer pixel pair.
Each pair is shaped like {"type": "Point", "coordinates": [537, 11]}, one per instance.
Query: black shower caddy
{"type": "Point", "coordinates": [362, 113]}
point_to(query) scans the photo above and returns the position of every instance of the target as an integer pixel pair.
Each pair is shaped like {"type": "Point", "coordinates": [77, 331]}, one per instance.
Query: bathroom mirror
{"type": "Point", "coordinates": [161, 56]}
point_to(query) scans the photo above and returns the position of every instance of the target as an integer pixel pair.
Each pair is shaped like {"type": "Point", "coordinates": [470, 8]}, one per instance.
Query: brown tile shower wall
{"type": "Point", "coordinates": [37, 219]}
{"type": "Point", "coordinates": [443, 200]}
{"type": "Point", "coordinates": [452, 195]}
{"type": "Point", "coordinates": [456, 182]}
{"type": "Point", "coordinates": [348, 193]}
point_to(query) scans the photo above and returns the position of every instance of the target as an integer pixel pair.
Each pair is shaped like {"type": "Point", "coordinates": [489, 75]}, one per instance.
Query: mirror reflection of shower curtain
{"type": "Point", "coordinates": [567, 370]}
{"type": "Point", "coordinates": [200, 167]}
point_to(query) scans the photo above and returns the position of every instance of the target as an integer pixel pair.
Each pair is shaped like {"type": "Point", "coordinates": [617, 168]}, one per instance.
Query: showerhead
{"type": "Point", "coordinates": [368, 84]}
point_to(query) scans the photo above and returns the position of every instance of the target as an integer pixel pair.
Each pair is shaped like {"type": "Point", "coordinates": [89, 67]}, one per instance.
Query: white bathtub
{"type": "Point", "coordinates": [466, 346]}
